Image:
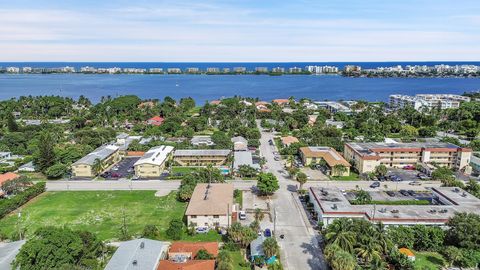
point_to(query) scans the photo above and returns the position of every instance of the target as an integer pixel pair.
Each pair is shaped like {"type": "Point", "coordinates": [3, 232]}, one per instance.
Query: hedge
{"type": "Point", "coordinates": [9, 205]}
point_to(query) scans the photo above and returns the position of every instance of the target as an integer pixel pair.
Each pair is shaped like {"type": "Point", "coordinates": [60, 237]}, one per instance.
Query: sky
{"type": "Point", "coordinates": [239, 31]}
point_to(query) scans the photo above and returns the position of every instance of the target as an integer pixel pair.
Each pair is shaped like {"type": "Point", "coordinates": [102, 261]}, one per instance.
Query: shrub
{"type": "Point", "coordinates": [175, 229]}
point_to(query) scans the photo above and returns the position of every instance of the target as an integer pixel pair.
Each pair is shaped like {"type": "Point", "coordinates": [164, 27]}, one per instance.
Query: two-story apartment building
{"type": "Point", "coordinates": [152, 163]}
{"type": "Point", "coordinates": [201, 157]}
{"type": "Point", "coordinates": [105, 155]}
{"type": "Point", "coordinates": [366, 156]}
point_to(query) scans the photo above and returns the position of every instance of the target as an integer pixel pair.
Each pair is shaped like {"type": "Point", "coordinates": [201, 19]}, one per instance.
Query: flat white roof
{"type": "Point", "coordinates": [156, 155]}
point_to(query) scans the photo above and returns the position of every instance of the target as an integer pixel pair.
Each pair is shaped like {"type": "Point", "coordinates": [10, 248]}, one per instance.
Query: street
{"type": "Point", "coordinates": [300, 245]}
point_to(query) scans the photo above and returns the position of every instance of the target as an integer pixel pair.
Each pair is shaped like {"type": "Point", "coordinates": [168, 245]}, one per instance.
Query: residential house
{"type": "Point", "coordinates": [6, 177]}
{"type": "Point", "coordinates": [201, 157]}
{"type": "Point", "coordinates": [27, 167]}
{"type": "Point", "coordinates": [333, 159]}
{"type": "Point", "coordinates": [202, 141]}
{"type": "Point", "coordinates": [256, 248]}
{"type": "Point", "coordinates": [211, 206]}
{"type": "Point", "coordinates": [144, 254]}
{"type": "Point", "coordinates": [239, 143]}
{"type": "Point", "coordinates": [288, 140]}
{"type": "Point", "coordinates": [181, 256]}
{"type": "Point", "coordinates": [281, 102]}
{"type": "Point", "coordinates": [243, 158]}
{"type": "Point", "coordinates": [152, 163]}
{"type": "Point", "coordinates": [156, 121]}
{"type": "Point", "coordinates": [107, 156]}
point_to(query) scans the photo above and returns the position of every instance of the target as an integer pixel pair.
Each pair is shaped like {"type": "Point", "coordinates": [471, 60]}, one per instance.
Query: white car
{"type": "Point", "coordinates": [242, 215]}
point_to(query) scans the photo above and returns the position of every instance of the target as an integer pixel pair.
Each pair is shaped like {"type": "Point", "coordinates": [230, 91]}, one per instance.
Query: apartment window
{"type": "Point", "coordinates": [193, 216]}
{"type": "Point", "coordinates": [215, 216]}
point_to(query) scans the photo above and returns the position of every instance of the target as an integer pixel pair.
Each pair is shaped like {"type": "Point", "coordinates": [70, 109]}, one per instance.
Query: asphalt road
{"type": "Point", "coordinates": [161, 185]}
{"type": "Point", "coordinates": [300, 246]}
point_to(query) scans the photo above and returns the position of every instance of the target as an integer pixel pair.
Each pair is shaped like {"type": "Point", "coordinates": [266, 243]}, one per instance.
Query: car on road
{"type": "Point", "coordinates": [390, 193]}
{"type": "Point", "coordinates": [375, 184]}
{"type": "Point", "coordinates": [276, 158]}
{"type": "Point", "coordinates": [267, 233]}
{"type": "Point", "coordinates": [422, 176]}
{"type": "Point", "coordinates": [415, 183]}
{"type": "Point", "coordinates": [242, 215]}
{"type": "Point", "coordinates": [202, 230]}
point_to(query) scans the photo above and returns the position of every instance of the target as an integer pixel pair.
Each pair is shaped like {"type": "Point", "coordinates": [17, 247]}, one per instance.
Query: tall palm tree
{"type": "Point", "coordinates": [345, 240]}
{"type": "Point", "coordinates": [97, 166]}
{"type": "Point", "coordinates": [368, 250]}
{"type": "Point", "coordinates": [270, 247]}
{"type": "Point", "coordinates": [339, 170]}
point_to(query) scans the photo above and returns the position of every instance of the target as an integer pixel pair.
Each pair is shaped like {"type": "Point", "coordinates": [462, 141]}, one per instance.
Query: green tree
{"type": "Point", "coordinates": [343, 260]}
{"type": "Point", "coordinates": [224, 261]}
{"type": "Point", "coordinates": [150, 231]}
{"type": "Point", "coordinates": [11, 123]}
{"type": "Point", "coordinates": [270, 247]}
{"type": "Point", "coordinates": [267, 183]}
{"type": "Point", "coordinates": [97, 166]}
{"type": "Point", "coordinates": [53, 248]}
{"type": "Point", "coordinates": [368, 250]}
{"type": "Point", "coordinates": [175, 230]}
{"type": "Point", "coordinates": [452, 255]}
{"type": "Point", "coordinates": [339, 169]}
{"type": "Point", "coordinates": [259, 215]}
{"type": "Point", "coordinates": [464, 230]}
{"type": "Point", "coordinates": [247, 171]}
{"type": "Point", "coordinates": [363, 197]}
{"type": "Point", "coordinates": [409, 132]}
{"type": "Point", "coordinates": [56, 171]}
{"type": "Point", "coordinates": [203, 254]}
{"type": "Point", "coordinates": [302, 179]}
{"type": "Point", "coordinates": [46, 153]}
{"type": "Point", "coordinates": [381, 170]}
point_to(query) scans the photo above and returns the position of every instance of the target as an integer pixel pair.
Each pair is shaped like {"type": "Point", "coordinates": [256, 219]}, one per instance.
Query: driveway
{"type": "Point", "coordinates": [299, 248]}
{"type": "Point", "coordinates": [314, 175]}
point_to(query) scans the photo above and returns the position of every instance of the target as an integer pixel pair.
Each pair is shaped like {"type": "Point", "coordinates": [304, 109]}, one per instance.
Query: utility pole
{"type": "Point", "coordinates": [228, 215]}
{"type": "Point", "coordinates": [274, 220]}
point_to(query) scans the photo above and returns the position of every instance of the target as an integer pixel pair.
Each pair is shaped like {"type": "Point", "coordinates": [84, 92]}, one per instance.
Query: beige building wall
{"type": "Point", "coordinates": [309, 160]}
{"type": "Point", "coordinates": [149, 170]}
{"type": "Point", "coordinates": [210, 221]}
{"type": "Point", "coordinates": [82, 170]}
{"type": "Point", "coordinates": [200, 160]}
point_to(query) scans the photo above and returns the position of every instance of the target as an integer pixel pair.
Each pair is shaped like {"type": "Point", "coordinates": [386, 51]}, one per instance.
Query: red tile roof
{"type": "Point", "coordinates": [189, 265]}
{"type": "Point", "coordinates": [407, 252]}
{"type": "Point", "coordinates": [156, 120]}
{"type": "Point", "coordinates": [9, 176]}
{"type": "Point", "coordinates": [189, 247]}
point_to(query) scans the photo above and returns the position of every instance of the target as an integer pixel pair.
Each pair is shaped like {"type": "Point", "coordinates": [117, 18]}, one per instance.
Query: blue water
{"type": "Point", "coordinates": [210, 87]}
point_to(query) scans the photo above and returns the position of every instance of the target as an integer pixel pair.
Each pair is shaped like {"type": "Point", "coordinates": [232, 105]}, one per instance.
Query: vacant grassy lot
{"type": "Point", "coordinates": [428, 260]}
{"type": "Point", "coordinates": [100, 212]}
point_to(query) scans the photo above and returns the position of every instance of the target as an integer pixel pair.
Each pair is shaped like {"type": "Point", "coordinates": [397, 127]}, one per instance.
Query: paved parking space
{"type": "Point", "coordinates": [314, 174]}
{"type": "Point", "coordinates": [406, 175]}
{"type": "Point", "coordinates": [123, 169]}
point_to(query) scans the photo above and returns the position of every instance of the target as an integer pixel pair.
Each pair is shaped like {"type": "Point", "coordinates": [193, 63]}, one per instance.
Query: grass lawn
{"type": "Point", "coordinates": [237, 258]}
{"type": "Point", "coordinates": [183, 170]}
{"type": "Point", "coordinates": [239, 198]}
{"type": "Point", "coordinates": [352, 177]}
{"type": "Point", "coordinates": [100, 212]}
{"type": "Point", "coordinates": [428, 260]}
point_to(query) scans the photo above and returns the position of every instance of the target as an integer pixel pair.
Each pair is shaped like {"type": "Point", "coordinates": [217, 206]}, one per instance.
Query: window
{"type": "Point", "coordinates": [193, 216]}
{"type": "Point", "coordinates": [215, 216]}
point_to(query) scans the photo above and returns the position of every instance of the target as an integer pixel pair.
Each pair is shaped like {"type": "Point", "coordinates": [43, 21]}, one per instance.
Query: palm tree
{"type": "Point", "coordinates": [345, 240]}
{"type": "Point", "coordinates": [339, 170]}
{"type": "Point", "coordinates": [270, 247]}
{"type": "Point", "coordinates": [343, 260]}
{"type": "Point", "coordinates": [377, 264]}
{"type": "Point", "coordinates": [368, 250]}
{"type": "Point", "coordinates": [302, 179]}
{"type": "Point", "coordinates": [259, 215]}
{"type": "Point", "coordinates": [97, 166]}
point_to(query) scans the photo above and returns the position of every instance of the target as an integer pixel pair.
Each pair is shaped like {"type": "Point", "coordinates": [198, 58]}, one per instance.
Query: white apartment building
{"type": "Point", "coordinates": [430, 101]}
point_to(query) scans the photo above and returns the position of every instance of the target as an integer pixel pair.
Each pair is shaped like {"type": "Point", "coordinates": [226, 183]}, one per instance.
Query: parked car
{"type": "Point", "coordinates": [415, 183]}
{"type": "Point", "coordinates": [404, 192]}
{"type": "Point", "coordinates": [115, 175]}
{"type": "Point", "coordinates": [267, 233]}
{"type": "Point", "coordinates": [390, 193]}
{"type": "Point", "coordinates": [375, 185]}
{"type": "Point", "coordinates": [409, 167]}
{"type": "Point", "coordinates": [382, 178]}
{"type": "Point", "coordinates": [411, 193]}
{"type": "Point", "coordinates": [242, 215]}
{"type": "Point", "coordinates": [422, 176]}
{"type": "Point", "coordinates": [202, 230]}
{"type": "Point", "coordinates": [276, 158]}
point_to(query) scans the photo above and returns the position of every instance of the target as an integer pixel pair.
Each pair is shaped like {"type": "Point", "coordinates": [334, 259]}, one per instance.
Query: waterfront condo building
{"type": "Point", "coordinates": [366, 156]}
{"type": "Point", "coordinates": [152, 163]}
{"type": "Point", "coordinates": [429, 101]}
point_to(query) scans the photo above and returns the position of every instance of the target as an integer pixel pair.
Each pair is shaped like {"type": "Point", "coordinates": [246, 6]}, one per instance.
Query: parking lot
{"type": "Point", "coordinates": [122, 169]}
{"type": "Point", "coordinates": [314, 175]}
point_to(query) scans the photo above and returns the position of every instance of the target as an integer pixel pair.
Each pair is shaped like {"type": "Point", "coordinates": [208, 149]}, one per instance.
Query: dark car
{"type": "Point", "coordinates": [411, 193]}
{"type": "Point", "coordinates": [375, 185]}
{"type": "Point", "coordinates": [267, 233]}
{"type": "Point", "coordinates": [390, 193]}
{"type": "Point", "coordinates": [382, 178]}
{"type": "Point", "coordinates": [404, 192]}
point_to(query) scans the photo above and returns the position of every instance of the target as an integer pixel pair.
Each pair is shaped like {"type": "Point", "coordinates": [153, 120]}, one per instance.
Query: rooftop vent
{"type": "Point", "coordinates": [334, 207]}
{"type": "Point", "coordinates": [134, 262]}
